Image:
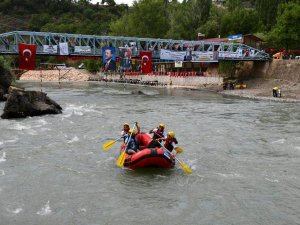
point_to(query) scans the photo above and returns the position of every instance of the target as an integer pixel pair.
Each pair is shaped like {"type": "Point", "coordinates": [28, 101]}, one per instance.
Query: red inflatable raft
{"type": "Point", "coordinates": [148, 157]}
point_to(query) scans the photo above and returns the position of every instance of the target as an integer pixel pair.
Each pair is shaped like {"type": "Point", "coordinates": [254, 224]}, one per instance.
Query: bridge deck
{"type": "Point", "coordinates": [226, 51]}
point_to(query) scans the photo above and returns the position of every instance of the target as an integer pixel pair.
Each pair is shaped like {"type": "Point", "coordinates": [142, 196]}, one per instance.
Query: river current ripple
{"type": "Point", "coordinates": [244, 155]}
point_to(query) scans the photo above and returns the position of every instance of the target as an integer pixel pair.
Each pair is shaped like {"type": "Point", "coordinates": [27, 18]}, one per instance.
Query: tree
{"type": "Point", "coordinates": [6, 76]}
{"type": "Point", "coordinates": [146, 18]}
{"type": "Point", "coordinates": [239, 21]}
{"type": "Point", "coordinates": [233, 4]}
{"type": "Point", "coordinates": [267, 11]}
{"type": "Point", "coordinates": [286, 32]}
{"type": "Point", "coordinates": [195, 16]}
{"type": "Point", "coordinates": [212, 27]}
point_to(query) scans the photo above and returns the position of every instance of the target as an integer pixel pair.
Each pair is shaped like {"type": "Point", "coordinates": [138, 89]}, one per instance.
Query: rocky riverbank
{"type": "Point", "coordinates": [257, 88]}
{"type": "Point", "coordinates": [57, 75]}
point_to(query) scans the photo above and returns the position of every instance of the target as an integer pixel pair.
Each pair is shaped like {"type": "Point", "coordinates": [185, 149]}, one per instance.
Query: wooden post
{"type": "Point", "coordinates": [41, 76]}
{"type": "Point", "coordinates": [59, 77]}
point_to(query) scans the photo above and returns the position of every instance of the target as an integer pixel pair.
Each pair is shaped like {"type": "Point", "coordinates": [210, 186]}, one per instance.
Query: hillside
{"type": "Point", "coordinates": [66, 16]}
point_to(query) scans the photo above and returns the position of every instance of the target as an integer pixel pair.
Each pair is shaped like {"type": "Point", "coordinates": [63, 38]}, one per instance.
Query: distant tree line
{"type": "Point", "coordinates": [276, 21]}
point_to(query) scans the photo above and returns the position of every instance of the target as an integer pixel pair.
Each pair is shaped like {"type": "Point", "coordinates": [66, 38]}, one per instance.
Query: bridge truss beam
{"type": "Point", "coordinates": [9, 45]}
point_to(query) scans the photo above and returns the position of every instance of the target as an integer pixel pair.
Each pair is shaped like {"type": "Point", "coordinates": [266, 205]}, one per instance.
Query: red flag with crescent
{"type": "Point", "coordinates": [27, 56]}
{"type": "Point", "coordinates": [146, 61]}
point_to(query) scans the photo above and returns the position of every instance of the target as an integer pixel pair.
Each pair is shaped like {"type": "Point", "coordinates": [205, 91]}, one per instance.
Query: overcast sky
{"type": "Point", "coordinates": [128, 2]}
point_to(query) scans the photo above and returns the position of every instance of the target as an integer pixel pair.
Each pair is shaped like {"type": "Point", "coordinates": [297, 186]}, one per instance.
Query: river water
{"type": "Point", "coordinates": [245, 156]}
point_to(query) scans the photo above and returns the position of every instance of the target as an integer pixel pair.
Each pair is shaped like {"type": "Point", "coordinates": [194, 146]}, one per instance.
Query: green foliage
{"type": "Point", "coordinates": [66, 16]}
{"type": "Point", "coordinates": [228, 69]}
{"type": "Point", "coordinates": [197, 15]}
{"type": "Point", "coordinates": [4, 65]}
{"type": "Point", "coordinates": [286, 32]}
{"type": "Point", "coordinates": [156, 18]}
{"type": "Point", "coordinates": [239, 21]}
{"type": "Point", "coordinates": [6, 77]}
{"type": "Point", "coordinates": [233, 4]}
{"type": "Point", "coordinates": [212, 27]}
{"type": "Point", "coordinates": [146, 19]}
{"type": "Point", "coordinates": [92, 65]}
{"type": "Point", "coordinates": [267, 11]}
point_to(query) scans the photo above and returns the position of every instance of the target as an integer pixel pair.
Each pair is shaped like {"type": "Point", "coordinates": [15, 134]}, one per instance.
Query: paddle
{"type": "Point", "coordinates": [121, 159]}
{"type": "Point", "coordinates": [178, 149]}
{"type": "Point", "coordinates": [107, 145]}
{"type": "Point", "coordinates": [182, 164]}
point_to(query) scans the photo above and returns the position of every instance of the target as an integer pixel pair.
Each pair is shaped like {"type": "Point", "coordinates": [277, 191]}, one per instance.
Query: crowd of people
{"type": "Point", "coordinates": [131, 141]}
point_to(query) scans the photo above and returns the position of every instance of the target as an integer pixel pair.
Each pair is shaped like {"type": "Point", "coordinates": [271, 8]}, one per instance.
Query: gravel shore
{"type": "Point", "coordinates": [262, 89]}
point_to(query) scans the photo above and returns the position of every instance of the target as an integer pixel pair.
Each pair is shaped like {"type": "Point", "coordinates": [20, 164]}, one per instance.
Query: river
{"type": "Point", "coordinates": [244, 155]}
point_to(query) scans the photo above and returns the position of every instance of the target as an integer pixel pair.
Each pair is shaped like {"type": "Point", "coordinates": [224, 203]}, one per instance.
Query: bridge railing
{"type": "Point", "coordinates": [226, 51]}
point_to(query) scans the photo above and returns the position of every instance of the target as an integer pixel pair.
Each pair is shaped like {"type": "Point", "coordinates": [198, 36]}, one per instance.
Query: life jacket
{"type": "Point", "coordinates": [124, 133]}
{"type": "Point", "coordinates": [158, 134]}
{"type": "Point", "coordinates": [132, 143]}
{"type": "Point", "coordinates": [168, 143]}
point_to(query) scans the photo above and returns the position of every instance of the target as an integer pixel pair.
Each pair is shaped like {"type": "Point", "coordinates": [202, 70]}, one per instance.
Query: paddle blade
{"type": "Point", "coordinates": [186, 168]}
{"type": "Point", "coordinates": [107, 145]}
{"type": "Point", "coordinates": [178, 149]}
{"type": "Point", "coordinates": [121, 159]}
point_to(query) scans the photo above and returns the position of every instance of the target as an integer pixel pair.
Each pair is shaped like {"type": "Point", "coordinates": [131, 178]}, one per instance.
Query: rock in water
{"type": "Point", "coordinates": [137, 93]}
{"type": "Point", "coordinates": [21, 103]}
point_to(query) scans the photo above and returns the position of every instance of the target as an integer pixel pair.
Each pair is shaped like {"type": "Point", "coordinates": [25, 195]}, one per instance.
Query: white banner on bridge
{"type": "Point", "coordinates": [52, 49]}
{"type": "Point", "coordinates": [224, 54]}
{"type": "Point", "coordinates": [83, 49]}
{"type": "Point", "coordinates": [194, 56]}
{"type": "Point", "coordinates": [63, 48]}
{"type": "Point", "coordinates": [239, 53]}
{"type": "Point", "coordinates": [172, 55]}
{"type": "Point", "coordinates": [204, 56]}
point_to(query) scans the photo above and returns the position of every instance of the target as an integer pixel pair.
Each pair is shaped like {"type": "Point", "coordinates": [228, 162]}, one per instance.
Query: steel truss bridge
{"type": "Point", "coordinates": [9, 45]}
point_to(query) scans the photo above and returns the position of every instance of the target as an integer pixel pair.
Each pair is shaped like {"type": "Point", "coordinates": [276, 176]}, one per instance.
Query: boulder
{"type": "Point", "coordinates": [21, 103]}
{"type": "Point", "coordinates": [137, 93]}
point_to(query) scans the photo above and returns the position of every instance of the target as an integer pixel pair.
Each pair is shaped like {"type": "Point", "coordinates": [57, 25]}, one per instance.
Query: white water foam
{"type": "Point", "coordinates": [3, 157]}
{"type": "Point", "coordinates": [19, 126]}
{"type": "Point", "coordinates": [80, 110]}
{"type": "Point", "coordinates": [46, 210]}
{"type": "Point", "coordinates": [15, 211]}
{"type": "Point", "coordinates": [43, 122]}
{"type": "Point", "coordinates": [74, 139]}
{"type": "Point", "coordinates": [1, 143]}
{"type": "Point", "coordinates": [230, 175]}
{"type": "Point", "coordinates": [280, 141]}
{"type": "Point", "coordinates": [12, 141]}
{"type": "Point", "coordinates": [82, 210]}
{"type": "Point", "coordinates": [272, 180]}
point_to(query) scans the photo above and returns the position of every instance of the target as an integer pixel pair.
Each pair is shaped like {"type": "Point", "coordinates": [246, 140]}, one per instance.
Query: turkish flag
{"type": "Point", "coordinates": [146, 61]}
{"type": "Point", "coordinates": [27, 56]}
